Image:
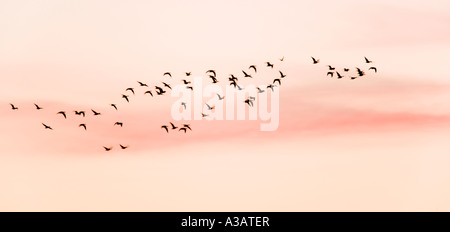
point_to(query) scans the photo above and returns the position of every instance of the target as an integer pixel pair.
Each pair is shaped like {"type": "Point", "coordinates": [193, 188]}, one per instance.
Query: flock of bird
{"type": "Point", "coordinates": [164, 87]}
{"type": "Point", "coordinates": [359, 72]}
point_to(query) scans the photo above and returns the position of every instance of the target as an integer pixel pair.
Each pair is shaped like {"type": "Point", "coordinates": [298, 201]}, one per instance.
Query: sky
{"type": "Point", "coordinates": [376, 143]}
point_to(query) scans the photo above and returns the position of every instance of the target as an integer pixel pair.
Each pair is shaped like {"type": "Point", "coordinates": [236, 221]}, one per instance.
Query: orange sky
{"type": "Point", "coordinates": [377, 143]}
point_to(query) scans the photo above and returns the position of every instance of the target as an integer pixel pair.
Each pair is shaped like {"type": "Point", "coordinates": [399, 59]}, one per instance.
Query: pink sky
{"type": "Point", "coordinates": [378, 143]}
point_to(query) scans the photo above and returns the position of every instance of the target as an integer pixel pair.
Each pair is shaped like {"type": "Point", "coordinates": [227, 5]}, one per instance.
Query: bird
{"type": "Point", "coordinates": [220, 97]}
{"type": "Point", "coordinates": [184, 104]}
{"type": "Point", "coordinates": [246, 75]}
{"type": "Point", "coordinates": [277, 80]}
{"type": "Point", "coordinates": [212, 71]}
{"type": "Point", "coordinates": [238, 87]}
{"type": "Point", "coordinates": [188, 73]}
{"type": "Point", "coordinates": [118, 124]}
{"type": "Point", "coordinates": [165, 127]}
{"type": "Point", "coordinates": [252, 67]}
{"type": "Point", "coordinates": [190, 87]}
{"type": "Point", "coordinates": [233, 83]}
{"type": "Point", "coordinates": [159, 89]}
{"type": "Point", "coordinates": [249, 102]}
{"type": "Point", "coordinates": [37, 107]}
{"type": "Point", "coordinates": [282, 59]}
{"type": "Point", "coordinates": [123, 147]}
{"type": "Point", "coordinates": [108, 148]}
{"type": "Point", "coordinates": [204, 115]}
{"type": "Point", "coordinates": [95, 112]}
{"type": "Point", "coordinates": [187, 126]}
{"type": "Point", "coordinates": [186, 82]}
{"type": "Point", "coordinates": [182, 129]}
{"type": "Point", "coordinates": [142, 84]}
{"type": "Point", "coordinates": [252, 98]}
{"type": "Point", "coordinates": [62, 113]}
{"type": "Point", "coordinates": [367, 60]}
{"type": "Point", "coordinates": [214, 79]}
{"type": "Point", "coordinates": [260, 90]}
{"type": "Point", "coordinates": [125, 97]}
{"type": "Point", "coordinates": [130, 89]}
{"type": "Point", "coordinates": [80, 113]}
{"type": "Point", "coordinates": [47, 127]}
{"type": "Point", "coordinates": [330, 73]}
{"type": "Point", "coordinates": [346, 69]}
{"type": "Point", "coordinates": [167, 73]}
{"type": "Point", "coordinates": [331, 68]}
{"type": "Point", "coordinates": [114, 105]}
{"type": "Point", "coordinates": [149, 92]}
{"type": "Point", "coordinates": [353, 78]}
{"type": "Point", "coordinates": [314, 60]}
{"type": "Point", "coordinates": [360, 72]}
{"type": "Point", "coordinates": [271, 87]}
{"type": "Point", "coordinates": [339, 76]}
{"type": "Point", "coordinates": [374, 69]}
{"type": "Point", "coordinates": [167, 85]}
{"type": "Point", "coordinates": [173, 126]}
{"type": "Point", "coordinates": [13, 107]}
{"type": "Point", "coordinates": [83, 125]}
{"type": "Point", "coordinates": [282, 74]}
{"type": "Point", "coordinates": [210, 107]}
{"type": "Point", "coordinates": [232, 78]}
{"type": "Point", "coordinates": [269, 64]}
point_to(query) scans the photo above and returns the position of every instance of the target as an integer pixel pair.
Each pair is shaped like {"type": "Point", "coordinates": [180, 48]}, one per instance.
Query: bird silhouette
{"type": "Point", "coordinates": [252, 67]}
{"type": "Point", "coordinates": [80, 113]}
{"type": "Point", "coordinates": [148, 92]}
{"type": "Point", "coordinates": [260, 90]}
{"type": "Point", "coordinates": [182, 129]}
{"type": "Point", "coordinates": [374, 69]}
{"type": "Point", "coordinates": [118, 124]}
{"type": "Point", "coordinates": [233, 83]}
{"type": "Point", "coordinates": [360, 72]}
{"type": "Point", "coordinates": [330, 73]}
{"type": "Point", "coordinates": [213, 79]}
{"type": "Point", "coordinates": [108, 148]}
{"type": "Point", "coordinates": [167, 73]}
{"type": "Point", "coordinates": [238, 87]}
{"type": "Point", "coordinates": [114, 105]}
{"type": "Point", "coordinates": [282, 74]}
{"type": "Point", "coordinates": [204, 115]}
{"type": "Point", "coordinates": [130, 89]}
{"type": "Point", "coordinates": [269, 64]}
{"type": "Point", "coordinates": [173, 126]}
{"type": "Point", "coordinates": [188, 73]}
{"type": "Point", "coordinates": [190, 87]}
{"type": "Point", "coordinates": [346, 69]}
{"type": "Point", "coordinates": [13, 107]}
{"type": "Point", "coordinates": [209, 107]}
{"type": "Point", "coordinates": [167, 85]}
{"type": "Point", "coordinates": [339, 76]}
{"type": "Point", "coordinates": [184, 104]}
{"type": "Point", "coordinates": [331, 68]}
{"type": "Point", "coordinates": [232, 78]}
{"type": "Point", "coordinates": [367, 60]}
{"type": "Point", "coordinates": [125, 97]}
{"type": "Point", "coordinates": [142, 84]}
{"type": "Point", "coordinates": [123, 147]}
{"type": "Point", "coordinates": [353, 78]}
{"type": "Point", "coordinates": [47, 127]}
{"type": "Point", "coordinates": [271, 87]}
{"type": "Point", "coordinates": [187, 126]}
{"type": "Point", "coordinates": [314, 60]}
{"type": "Point", "coordinates": [186, 82]}
{"type": "Point", "coordinates": [165, 127]}
{"type": "Point", "coordinates": [277, 80]}
{"type": "Point", "coordinates": [211, 71]}
{"type": "Point", "coordinates": [62, 113]}
{"type": "Point", "coordinates": [95, 112]}
{"type": "Point", "coordinates": [220, 97]}
{"type": "Point", "coordinates": [83, 125]}
{"type": "Point", "coordinates": [249, 102]}
{"type": "Point", "coordinates": [282, 59]}
{"type": "Point", "coordinates": [246, 75]}
{"type": "Point", "coordinates": [37, 107]}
